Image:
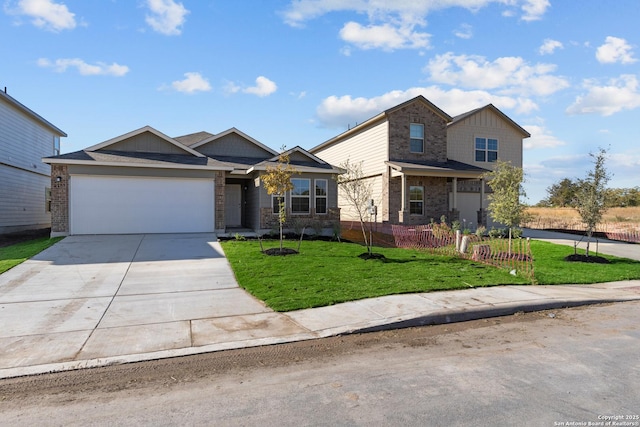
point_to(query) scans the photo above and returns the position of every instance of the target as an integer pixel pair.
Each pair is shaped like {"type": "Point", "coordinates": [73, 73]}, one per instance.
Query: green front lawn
{"type": "Point", "coordinates": [10, 256]}
{"type": "Point", "coordinates": [326, 273]}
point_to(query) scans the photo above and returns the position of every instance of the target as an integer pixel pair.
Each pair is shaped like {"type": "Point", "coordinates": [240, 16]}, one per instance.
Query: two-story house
{"type": "Point", "coordinates": [147, 182]}
{"type": "Point", "coordinates": [25, 189]}
{"type": "Point", "coordinates": [423, 164]}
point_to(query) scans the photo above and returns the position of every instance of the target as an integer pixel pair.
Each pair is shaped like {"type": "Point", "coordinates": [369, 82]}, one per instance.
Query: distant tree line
{"type": "Point", "coordinates": [565, 194]}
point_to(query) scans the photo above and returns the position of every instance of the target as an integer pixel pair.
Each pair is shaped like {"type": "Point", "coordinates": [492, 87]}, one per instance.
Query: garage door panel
{"type": "Point", "coordinates": [120, 205]}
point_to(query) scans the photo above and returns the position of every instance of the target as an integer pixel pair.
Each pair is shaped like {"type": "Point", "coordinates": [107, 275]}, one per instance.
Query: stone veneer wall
{"type": "Point", "coordinates": [268, 220]}
{"type": "Point", "coordinates": [219, 196]}
{"type": "Point", "coordinates": [436, 200]}
{"type": "Point", "coordinates": [435, 134]}
{"type": "Point", "coordinates": [59, 200]}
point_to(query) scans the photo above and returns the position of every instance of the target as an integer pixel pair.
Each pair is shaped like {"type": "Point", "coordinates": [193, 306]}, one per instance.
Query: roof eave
{"type": "Point", "coordinates": [135, 165]}
{"type": "Point", "coordinates": [32, 114]}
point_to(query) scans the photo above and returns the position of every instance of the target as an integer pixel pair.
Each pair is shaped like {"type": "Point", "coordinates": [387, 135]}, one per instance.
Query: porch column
{"type": "Point", "coordinates": [455, 193]}
{"type": "Point", "coordinates": [403, 215]}
{"type": "Point", "coordinates": [482, 217]}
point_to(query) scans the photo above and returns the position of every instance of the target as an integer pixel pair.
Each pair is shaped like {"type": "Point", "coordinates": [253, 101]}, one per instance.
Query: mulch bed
{"type": "Point", "coordinates": [279, 252]}
{"type": "Point", "coordinates": [583, 258]}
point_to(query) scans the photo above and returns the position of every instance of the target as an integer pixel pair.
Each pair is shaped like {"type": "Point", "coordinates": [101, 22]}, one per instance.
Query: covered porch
{"type": "Point", "coordinates": [420, 192]}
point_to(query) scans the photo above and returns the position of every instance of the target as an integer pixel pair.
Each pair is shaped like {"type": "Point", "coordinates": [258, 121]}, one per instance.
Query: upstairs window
{"type": "Point", "coordinates": [416, 132]}
{"type": "Point", "coordinates": [56, 145]}
{"type": "Point", "coordinates": [486, 150]}
{"type": "Point", "coordinates": [321, 196]}
{"type": "Point", "coordinates": [300, 196]}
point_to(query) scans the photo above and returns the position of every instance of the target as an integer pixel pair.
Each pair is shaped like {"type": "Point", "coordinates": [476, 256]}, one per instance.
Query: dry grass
{"type": "Point", "coordinates": [568, 219]}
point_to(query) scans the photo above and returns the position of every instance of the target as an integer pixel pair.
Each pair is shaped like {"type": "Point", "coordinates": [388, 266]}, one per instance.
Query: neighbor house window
{"type": "Point", "coordinates": [417, 138]}
{"type": "Point", "coordinates": [56, 145]}
{"type": "Point", "coordinates": [47, 199]}
{"type": "Point", "coordinates": [321, 196]}
{"type": "Point", "coordinates": [486, 150]}
{"type": "Point", "coordinates": [416, 200]}
{"type": "Point", "coordinates": [275, 203]}
{"type": "Point", "coordinates": [300, 196]}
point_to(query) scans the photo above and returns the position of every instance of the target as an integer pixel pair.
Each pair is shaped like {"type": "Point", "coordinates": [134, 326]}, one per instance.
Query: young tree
{"type": "Point", "coordinates": [591, 194]}
{"type": "Point", "coordinates": [504, 203]}
{"type": "Point", "coordinates": [277, 181]}
{"type": "Point", "coordinates": [357, 191]}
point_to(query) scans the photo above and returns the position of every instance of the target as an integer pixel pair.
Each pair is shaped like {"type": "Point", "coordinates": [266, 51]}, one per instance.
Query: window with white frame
{"type": "Point", "coordinates": [416, 144]}
{"type": "Point", "coordinates": [275, 203]}
{"type": "Point", "coordinates": [416, 200]}
{"type": "Point", "coordinates": [56, 145]}
{"type": "Point", "coordinates": [486, 150]}
{"type": "Point", "coordinates": [300, 196]}
{"type": "Point", "coordinates": [321, 195]}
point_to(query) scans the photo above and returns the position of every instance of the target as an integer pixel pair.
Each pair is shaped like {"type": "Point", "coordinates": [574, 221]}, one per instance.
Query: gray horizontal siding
{"type": "Point", "coordinates": [23, 142]}
{"type": "Point", "coordinates": [22, 200]}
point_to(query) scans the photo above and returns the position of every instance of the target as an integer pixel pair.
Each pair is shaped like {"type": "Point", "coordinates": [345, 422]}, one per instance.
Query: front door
{"type": "Point", "coordinates": [233, 205]}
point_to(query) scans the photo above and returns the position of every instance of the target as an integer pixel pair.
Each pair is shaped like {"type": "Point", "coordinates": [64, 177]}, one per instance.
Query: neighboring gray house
{"type": "Point", "coordinates": [147, 182]}
{"type": "Point", "coordinates": [25, 137]}
{"type": "Point", "coordinates": [423, 164]}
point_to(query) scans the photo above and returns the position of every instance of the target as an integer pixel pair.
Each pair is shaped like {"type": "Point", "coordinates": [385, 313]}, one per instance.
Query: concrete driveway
{"type": "Point", "coordinates": [92, 297]}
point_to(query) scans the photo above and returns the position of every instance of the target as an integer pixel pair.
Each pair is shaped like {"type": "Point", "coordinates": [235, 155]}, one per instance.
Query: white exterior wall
{"type": "Point", "coordinates": [487, 124]}
{"type": "Point", "coordinates": [371, 146]}
{"type": "Point", "coordinates": [23, 143]}
{"type": "Point", "coordinates": [347, 210]}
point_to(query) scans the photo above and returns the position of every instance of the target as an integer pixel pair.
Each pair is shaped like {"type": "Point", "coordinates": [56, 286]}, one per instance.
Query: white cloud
{"type": "Point", "coordinates": [465, 31]}
{"type": "Point", "coordinates": [339, 111]}
{"type": "Point", "coordinates": [45, 14]}
{"type": "Point", "coordinates": [264, 87]}
{"type": "Point", "coordinates": [85, 69]}
{"type": "Point", "coordinates": [616, 95]}
{"type": "Point", "coordinates": [167, 16]}
{"type": "Point", "coordinates": [615, 50]}
{"type": "Point", "coordinates": [508, 75]}
{"type": "Point", "coordinates": [549, 46]}
{"type": "Point", "coordinates": [541, 137]}
{"type": "Point", "coordinates": [385, 36]}
{"type": "Point", "coordinates": [192, 83]}
{"type": "Point", "coordinates": [406, 11]}
{"type": "Point", "coordinates": [534, 9]}
{"type": "Point", "coordinates": [392, 24]}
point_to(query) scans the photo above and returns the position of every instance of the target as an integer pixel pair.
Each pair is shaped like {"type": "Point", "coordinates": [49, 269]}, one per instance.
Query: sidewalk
{"type": "Point", "coordinates": [260, 326]}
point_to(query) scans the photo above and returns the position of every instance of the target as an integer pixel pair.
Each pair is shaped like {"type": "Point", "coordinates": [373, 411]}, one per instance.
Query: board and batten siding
{"type": "Point", "coordinates": [369, 146]}
{"type": "Point", "coordinates": [484, 124]}
{"type": "Point", "coordinates": [233, 145]}
{"type": "Point", "coordinates": [23, 144]}
{"type": "Point", "coordinates": [146, 142]}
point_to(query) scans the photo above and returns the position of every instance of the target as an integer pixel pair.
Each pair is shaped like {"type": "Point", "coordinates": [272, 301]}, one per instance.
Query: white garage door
{"type": "Point", "coordinates": [122, 205]}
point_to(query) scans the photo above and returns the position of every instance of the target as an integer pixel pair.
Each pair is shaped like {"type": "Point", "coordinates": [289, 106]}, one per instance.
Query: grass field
{"type": "Point", "coordinates": [568, 219]}
{"type": "Point", "coordinates": [326, 273]}
{"type": "Point", "coordinates": [10, 256]}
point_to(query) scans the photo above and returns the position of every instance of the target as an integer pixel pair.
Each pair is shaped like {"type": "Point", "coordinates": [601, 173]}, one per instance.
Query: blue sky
{"type": "Point", "coordinates": [298, 72]}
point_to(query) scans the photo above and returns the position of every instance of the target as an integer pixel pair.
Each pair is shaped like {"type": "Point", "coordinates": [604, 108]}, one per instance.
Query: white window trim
{"type": "Point", "coordinates": [291, 196]}
{"type": "Point", "coordinates": [412, 200]}
{"type": "Point", "coordinates": [316, 197]}
{"type": "Point", "coordinates": [486, 149]}
{"type": "Point", "coordinates": [410, 138]}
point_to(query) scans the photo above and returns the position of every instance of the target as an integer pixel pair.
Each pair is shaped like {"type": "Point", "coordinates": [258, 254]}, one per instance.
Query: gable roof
{"type": "Point", "coordinates": [237, 132]}
{"type": "Point", "coordinates": [138, 159]}
{"type": "Point", "coordinates": [193, 138]}
{"type": "Point", "coordinates": [460, 118]}
{"type": "Point", "coordinates": [313, 165]}
{"type": "Point", "coordinates": [142, 130]}
{"type": "Point", "coordinates": [383, 115]}
{"type": "Point", "coordinates": [32, 114]}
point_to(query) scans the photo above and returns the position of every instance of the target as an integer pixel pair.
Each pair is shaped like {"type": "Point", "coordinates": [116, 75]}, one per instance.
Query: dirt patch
{"type": "Point", "coordinates": [594, 259]}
